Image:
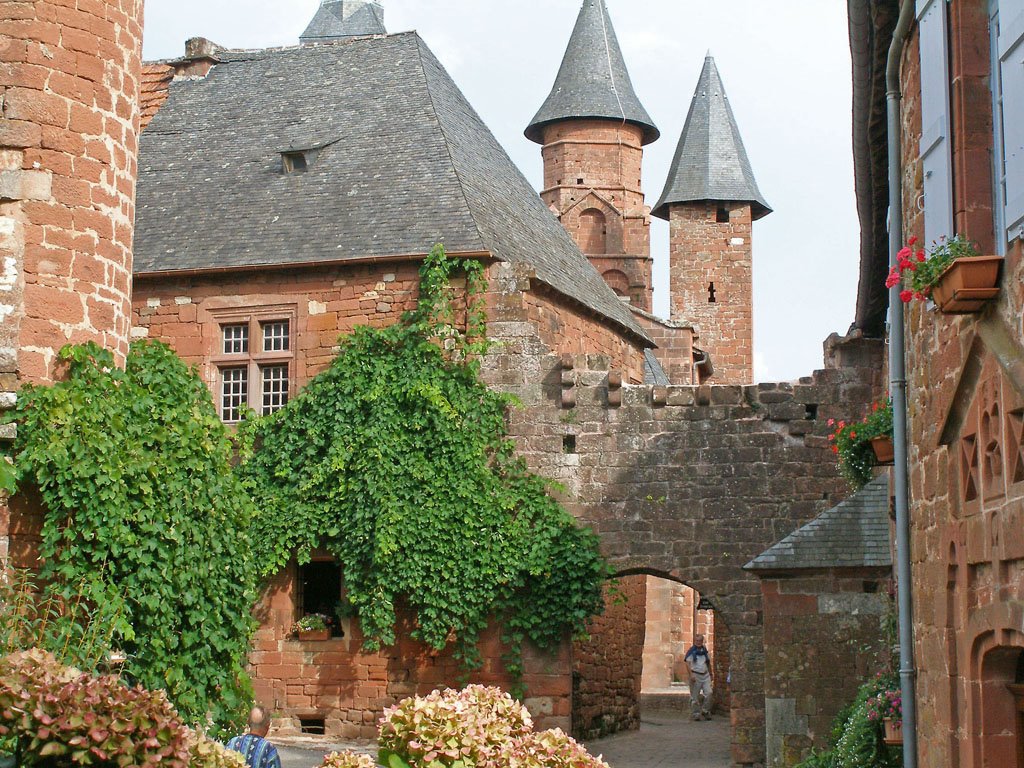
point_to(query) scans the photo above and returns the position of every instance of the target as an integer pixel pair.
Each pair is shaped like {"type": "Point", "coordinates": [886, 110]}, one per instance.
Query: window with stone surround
{"type": "Point", "coordinates": [253, 360]}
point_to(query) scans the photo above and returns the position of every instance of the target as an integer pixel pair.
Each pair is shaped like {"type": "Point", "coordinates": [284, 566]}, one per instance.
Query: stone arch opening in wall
{"type": "Point", "coordinates": [593, 231]}
{"type": "Point", "coordinates": [617, 281]}
{"type": "Point", "coordinates": [654, 616]}
{"type": "Point", "coordinates": [996, 729]}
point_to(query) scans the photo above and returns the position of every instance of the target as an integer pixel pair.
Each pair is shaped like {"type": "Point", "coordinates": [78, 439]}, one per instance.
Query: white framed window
{"type": "Point", "coordinates": [236, 338]}
{"type": "Point", "coordinates": [234, 392]}
{"type": "Point", "coordinates": [274, 387]}
{"type": "Point", "coordinates": [253, 360]}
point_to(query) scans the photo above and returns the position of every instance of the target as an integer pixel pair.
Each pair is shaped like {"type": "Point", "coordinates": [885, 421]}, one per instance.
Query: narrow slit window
{"type": "Point", "coordinates": [722, 216]}
{"type": "Point", "coordinates": [569, 444]}
{"type": "Point", "coordinates": [712, 294]}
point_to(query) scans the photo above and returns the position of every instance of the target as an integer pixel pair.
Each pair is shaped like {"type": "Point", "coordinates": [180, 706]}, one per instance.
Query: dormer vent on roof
{"type": "Point", "coordinates": [593, 81]}
{"type": "Point", "coordinates": [340, 19]}
{"type": "Point", "coordinates": [711, 162]}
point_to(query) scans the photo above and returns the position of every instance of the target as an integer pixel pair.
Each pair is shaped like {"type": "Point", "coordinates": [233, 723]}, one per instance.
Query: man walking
{"type": "Point", "coordinates": [698, 662]}
{"type": "Point", "coordinates": [253, 746]}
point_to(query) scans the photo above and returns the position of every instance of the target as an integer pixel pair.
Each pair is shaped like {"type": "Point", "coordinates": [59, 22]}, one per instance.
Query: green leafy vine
{"type": "Point", "coordinates": [396, 460]}
{"type": "Point", "coordinates": [144, 514]}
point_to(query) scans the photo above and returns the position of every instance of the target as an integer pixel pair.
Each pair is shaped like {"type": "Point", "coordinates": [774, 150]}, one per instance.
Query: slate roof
{"type": "Point", "coordinates": [654, 373]}
{"type": "Point", "coordinates": [711, 162]}
{"type": "Point", "coordinates": [404, 162]}
{"type": "Point", "coordinates": [593, 80]}
{"type": "Point", "coordinates": [854, 534]}
{"type": "Point", "coordinates": [336, 19]}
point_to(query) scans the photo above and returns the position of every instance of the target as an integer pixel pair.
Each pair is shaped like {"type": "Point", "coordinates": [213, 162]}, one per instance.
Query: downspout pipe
{"type": "Point", "coordinates": [898, 391]}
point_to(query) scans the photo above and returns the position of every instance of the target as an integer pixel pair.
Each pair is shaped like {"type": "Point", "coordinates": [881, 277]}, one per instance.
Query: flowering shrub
{"type": "Point", "coordinates": [550, 749]}
{"type": "Point", "coordinates": [311, 622]}
{"type": "Point", "coordinates": [348, 759]}
{"type": "Point", "coordinates": [851, 442]}
{"type": "Point", "coordinates": [886, 704]}
{"type": "Point", "coordinates": [925, 269]}
{"type": "Point", "coordinates": [54, 714]}
{"type": "Point", "coordinates": [51, 711]}
{"type": "Point", "coordinates": [473, 726]}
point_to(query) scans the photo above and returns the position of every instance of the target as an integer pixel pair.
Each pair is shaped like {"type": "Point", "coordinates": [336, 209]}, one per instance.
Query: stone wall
{"type": "Point", "coordinates": [347, 688]}
{"type": "Point", "coordinates": [687, 482]}
{"type": "Point", "coordinates": [824, 636]}
{"type": "Point", "coordinates": [607, 666]}
{"type": "Point", "coordinates": [68, 142]}
{"type": "Point", "coordinates": [966, 403]}
{"type": "Point", "coordinates": [711, 282]}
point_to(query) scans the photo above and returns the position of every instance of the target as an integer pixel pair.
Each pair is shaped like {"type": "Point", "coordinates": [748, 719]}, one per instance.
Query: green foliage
{"type": "Point", "coordinates": [852, 442]}
{"type": "Point", "coordinates": [396, 460]}
{"type": "Point", "coordinates": [144, 511]}
{"type": "Point", "coordinates": [78, 630]}
{"type": "Point", "coordinates": [857, 736]}
{"type": "Point", "coordinates": [8, 478]}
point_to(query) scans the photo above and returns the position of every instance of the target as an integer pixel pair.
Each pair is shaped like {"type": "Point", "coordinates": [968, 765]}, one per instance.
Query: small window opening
{"type": "Point", "coordinates": [722, 216]}
{"type": "Point", "coordinates": [870, 587]}
{"type": "Point", "coordinates": [294, 162]}
{"type": "Point", "coordinates": [579, 181]}
{"type": "Point", "coordinates": [320, 585]}
{"type": "Point", "coordinates": [313, 725]}
{"type": "Point", "coordinates": [812, 412]}
{"type": "Point", "coordinates": [569, 444]}
{"type": "Point", "coordinates": [712, 298]}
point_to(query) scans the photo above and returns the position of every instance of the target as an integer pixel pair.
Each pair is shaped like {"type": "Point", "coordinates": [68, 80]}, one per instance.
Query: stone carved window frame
{"type": "Point", "coordinates": [256, 359]}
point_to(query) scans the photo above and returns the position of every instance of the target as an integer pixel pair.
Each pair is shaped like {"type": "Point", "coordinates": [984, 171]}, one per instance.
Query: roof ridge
{"type": "Point", "coordinates": [447, 142]}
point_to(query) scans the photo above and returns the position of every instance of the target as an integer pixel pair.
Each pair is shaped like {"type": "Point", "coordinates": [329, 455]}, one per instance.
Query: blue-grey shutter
{"type": "Point", "coordinates": [1011, 66]}
{"type": "Point", "coordinates": [936, 147]}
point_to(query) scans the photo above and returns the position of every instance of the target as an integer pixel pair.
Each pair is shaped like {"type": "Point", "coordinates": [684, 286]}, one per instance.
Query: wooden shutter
{"type": "Point", "coordinates": [1011, 68]}
{"type": "Point", "coordinates": [936, 147]}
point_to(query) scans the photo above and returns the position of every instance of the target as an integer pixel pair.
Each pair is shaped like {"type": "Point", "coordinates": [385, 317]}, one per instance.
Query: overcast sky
{"type": "Point", "coordinates": [786, 69]}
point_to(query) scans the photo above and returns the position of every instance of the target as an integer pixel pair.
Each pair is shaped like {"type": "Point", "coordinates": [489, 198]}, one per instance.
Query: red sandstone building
{"type": "Point", "coordinates": [962, 80]}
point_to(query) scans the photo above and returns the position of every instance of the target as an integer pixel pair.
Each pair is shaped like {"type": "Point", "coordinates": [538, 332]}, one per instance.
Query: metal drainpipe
{"type": "Point", "coordinates": [898, 390]}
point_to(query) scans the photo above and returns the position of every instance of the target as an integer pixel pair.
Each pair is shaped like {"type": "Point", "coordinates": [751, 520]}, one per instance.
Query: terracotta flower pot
{"type": "Point", "coordinates": [884, 451]}
{"type": "Point", "coordinates": [893, 731]}
{"type": "Point", "coordinates": [314, 634]}
{"type": "Point", "coordinates": [967, 284]}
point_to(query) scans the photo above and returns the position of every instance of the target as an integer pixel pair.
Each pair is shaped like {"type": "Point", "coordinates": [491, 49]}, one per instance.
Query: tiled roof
{"type": "Point", "coordinates": [337, 19]}
{"type": "Point", "coordinates": [593, 80]}
{"type": "Point", "coordinates": [854, 534]}
{"type": "Point", "coordinates": [153, 89]}
{"type": "Point", "coordinates": [711, 162]}
{"type": "Point", "coordinates": [654, 373]}
{"type": "Point", "coordinates": [397, 161]}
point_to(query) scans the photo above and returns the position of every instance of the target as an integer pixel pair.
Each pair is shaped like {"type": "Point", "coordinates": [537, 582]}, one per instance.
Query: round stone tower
{"type": "Point", "coordinates": [593, 129]}
{"type": "Point", "coordinates": [68, 143]}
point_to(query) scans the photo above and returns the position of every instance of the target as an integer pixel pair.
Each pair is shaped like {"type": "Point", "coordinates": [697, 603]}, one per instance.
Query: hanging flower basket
{"type": "Point", "coordinates": [967, 284]}
{"type": "Point", "coordinates": [893, 731]}
{"type": "Point", "coordinates": [884, 451]}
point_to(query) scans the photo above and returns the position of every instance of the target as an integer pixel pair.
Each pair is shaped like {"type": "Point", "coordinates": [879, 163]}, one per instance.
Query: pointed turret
{"type": "Point", "coordinates": [593, 81]}
{"type": "Point", "coordinates": [338, 19]}
{"type": "Point", "coordinates": [710, 161]}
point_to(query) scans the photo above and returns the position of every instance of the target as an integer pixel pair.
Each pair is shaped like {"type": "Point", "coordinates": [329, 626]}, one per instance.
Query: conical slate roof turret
{"type": "Point", "coordinates": [593, 80]}
{"type": "Point", "coordinates": [338, 19]}
{"type": "Point", "coordinates": [710, 162]}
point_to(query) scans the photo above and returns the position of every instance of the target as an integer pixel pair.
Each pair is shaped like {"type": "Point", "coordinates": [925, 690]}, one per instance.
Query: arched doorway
{"type": "Point", "coordinates": [593, 231]}
{"type": "Point", "coordinates": [633, 663]}
{"type": "Point", "coordinates": [1002, 708]}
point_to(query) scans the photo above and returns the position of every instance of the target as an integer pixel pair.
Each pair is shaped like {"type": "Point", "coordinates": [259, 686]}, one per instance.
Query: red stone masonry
{"type": "Point", "coordinates": [69, 120]}
{"type": "Point", "coordinates": [704, 252]}
{"type": "Point", "coordinates": [966, 421]}
{"type": "Point", "coordinates": [592, 182]}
